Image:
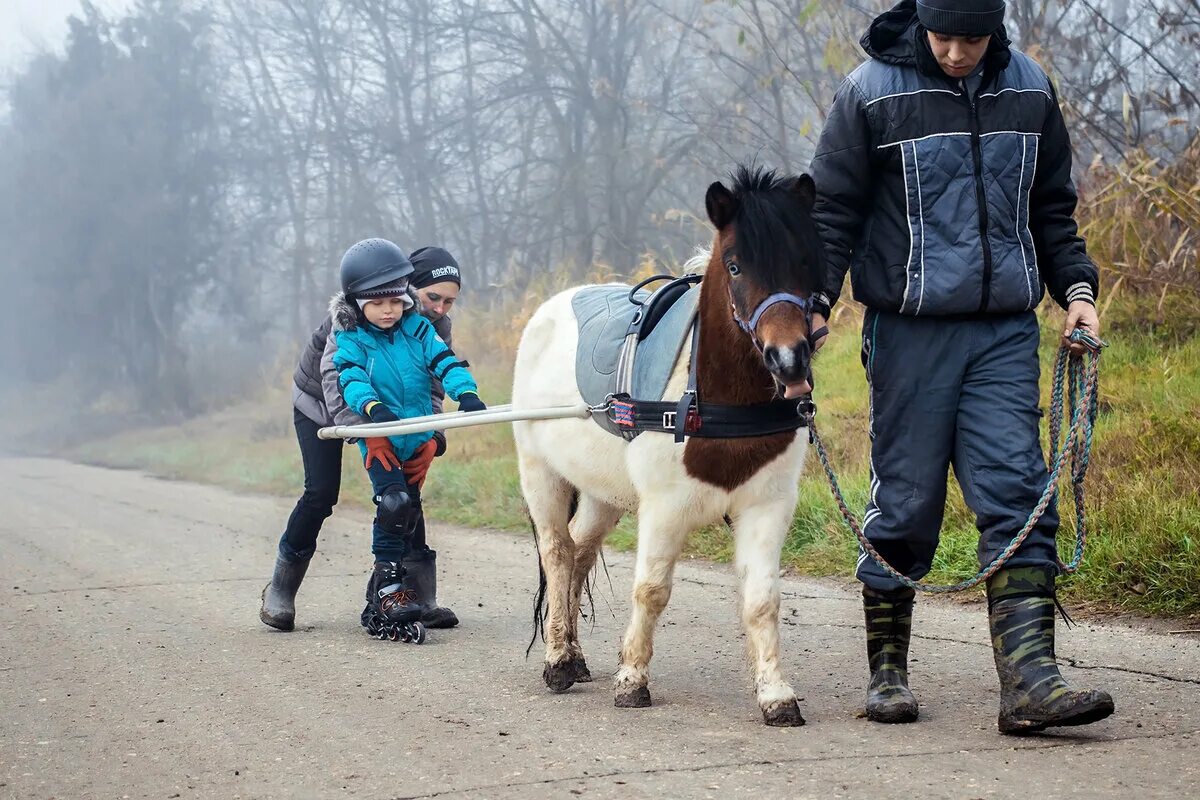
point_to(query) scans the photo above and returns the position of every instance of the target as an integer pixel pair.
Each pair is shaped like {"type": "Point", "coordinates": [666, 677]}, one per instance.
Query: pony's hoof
{"type": "Point", "coordinates": [559, 677]}
{"type": "Point", "coordinates": [637, 697]}
{"type": "Point", "coordinates": [784, 715]}
{"type": "Point", "coordinates": [582, 673]}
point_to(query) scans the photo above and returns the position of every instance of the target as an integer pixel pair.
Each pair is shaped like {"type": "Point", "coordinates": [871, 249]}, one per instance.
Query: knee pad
{"type": "Point", "coordinates": [397, 510]}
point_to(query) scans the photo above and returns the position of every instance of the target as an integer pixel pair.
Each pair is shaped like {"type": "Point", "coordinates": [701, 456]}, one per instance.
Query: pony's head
{"type": "Point", "coordinates": [768, 247]}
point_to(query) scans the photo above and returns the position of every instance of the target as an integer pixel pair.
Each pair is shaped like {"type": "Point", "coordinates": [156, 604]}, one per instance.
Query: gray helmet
{"type": "Point", "coordinates": [371, 263]}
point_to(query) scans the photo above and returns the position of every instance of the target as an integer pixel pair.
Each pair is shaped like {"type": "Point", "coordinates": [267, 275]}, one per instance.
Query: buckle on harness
{"type": "Point", "coordinates": [691, 422]}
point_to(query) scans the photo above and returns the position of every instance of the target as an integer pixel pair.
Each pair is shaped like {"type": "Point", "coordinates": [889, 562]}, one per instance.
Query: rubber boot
{"type": "Point", "coordinates": [279, 596]}
{"type": "Point", "coordinates": [421, 567]}
{"type": "Point", "coordinates": [889, 625]}
{"type": "Point", "coordinates": [1033, 693]}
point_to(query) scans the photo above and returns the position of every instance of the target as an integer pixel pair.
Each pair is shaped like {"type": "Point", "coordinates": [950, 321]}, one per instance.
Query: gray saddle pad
{"type": "Point", "coordinates": [604, 314]}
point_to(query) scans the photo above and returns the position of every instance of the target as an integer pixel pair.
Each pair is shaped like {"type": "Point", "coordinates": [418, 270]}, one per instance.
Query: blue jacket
{"type": "Point", "coordinates": [393, 367]}
{"type": "Point", "coordinates": [941, 201]}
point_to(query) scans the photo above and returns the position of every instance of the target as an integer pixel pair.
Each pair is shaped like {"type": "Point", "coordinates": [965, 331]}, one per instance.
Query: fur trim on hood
{"type": "Point", "coordinates": [347, 317]}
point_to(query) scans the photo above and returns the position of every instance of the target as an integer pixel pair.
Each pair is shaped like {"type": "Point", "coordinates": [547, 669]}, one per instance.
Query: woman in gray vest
{"type": "Point", "coordinates": [433, 269]}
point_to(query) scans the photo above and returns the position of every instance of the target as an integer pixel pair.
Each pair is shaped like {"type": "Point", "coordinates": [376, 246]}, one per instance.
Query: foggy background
{"type": "Point", "coordinates": [178, 178]}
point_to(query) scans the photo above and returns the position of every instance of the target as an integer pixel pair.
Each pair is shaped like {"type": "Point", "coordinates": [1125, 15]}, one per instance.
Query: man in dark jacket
{"type": "Point", "coordinates": [322, 461]}
{"type": "Point", "coordinates": [944, 187]}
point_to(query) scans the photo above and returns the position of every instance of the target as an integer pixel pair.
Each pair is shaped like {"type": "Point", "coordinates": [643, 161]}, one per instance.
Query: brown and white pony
{"type": "Point", "coordinates": [578, 480]}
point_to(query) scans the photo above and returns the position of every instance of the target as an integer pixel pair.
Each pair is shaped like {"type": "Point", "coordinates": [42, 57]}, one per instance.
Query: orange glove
{"type": "Point", "coordinates": [379, 449]}
{"type": "Point", "coordinates": [417, 465]}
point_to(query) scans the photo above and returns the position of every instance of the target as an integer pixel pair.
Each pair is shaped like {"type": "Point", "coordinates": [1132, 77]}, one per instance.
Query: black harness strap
{"type": "Point", "coordinates": [708, 421]}
{"type": "Point", "coordinates": [689, 416]}
{"type": "Point", "coordinates": [691, 397]}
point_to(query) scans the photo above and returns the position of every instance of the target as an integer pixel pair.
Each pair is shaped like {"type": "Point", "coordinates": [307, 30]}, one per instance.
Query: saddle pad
{"type": "Point", "coordinates": [603, 314]}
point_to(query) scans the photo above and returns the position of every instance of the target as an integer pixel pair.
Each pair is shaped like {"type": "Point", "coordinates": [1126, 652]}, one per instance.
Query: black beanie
{"type": "Point", "coordinates": [433, 265]}
{"type": "Point", "coordinates": [961, 17]}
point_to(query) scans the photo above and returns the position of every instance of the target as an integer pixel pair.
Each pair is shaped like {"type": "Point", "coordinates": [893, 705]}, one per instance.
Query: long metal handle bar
{"type": "Point", "coordinates": [445, 422]}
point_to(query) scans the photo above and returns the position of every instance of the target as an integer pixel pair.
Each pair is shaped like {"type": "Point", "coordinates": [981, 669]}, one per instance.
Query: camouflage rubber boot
{"type": "Point", "coordinates": [889, 624]}
{"type": "Point", "coordinates": [1033, 693]}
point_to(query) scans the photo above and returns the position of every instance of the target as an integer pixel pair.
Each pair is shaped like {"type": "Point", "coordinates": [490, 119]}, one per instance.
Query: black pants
{"type": "Point", "coordinates": [961, 393]}
{"type": "Point", "coordinates": [322, 481]}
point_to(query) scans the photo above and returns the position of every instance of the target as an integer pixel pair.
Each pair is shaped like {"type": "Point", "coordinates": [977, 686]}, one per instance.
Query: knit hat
{"type": "Point", "coordinates": [961, 17]}
{"type": "Point", "coordinates": [433, 265]}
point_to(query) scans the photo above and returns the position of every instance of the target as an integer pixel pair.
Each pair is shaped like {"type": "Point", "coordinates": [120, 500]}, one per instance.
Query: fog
{"type": "Point", "coordinates": [28, 26]}
{"type": "Point", "coordinates": [179, 178]}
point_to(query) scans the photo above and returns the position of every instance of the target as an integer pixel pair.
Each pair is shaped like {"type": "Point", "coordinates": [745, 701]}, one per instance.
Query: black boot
{"type": "Point", "coordinates": [889, 624]}
{"type": "Point", "coordinates": [1033, 693]}
{"type": "Point", "coordinates": [421, 567]}
{"type": "Point", "coordinates": [279, 596]}
{"type": "Point", "coordinates": [392, 611]}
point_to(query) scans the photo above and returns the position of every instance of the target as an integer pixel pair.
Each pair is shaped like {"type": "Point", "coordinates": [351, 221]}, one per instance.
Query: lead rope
{"type": "Point", "coordinates": [1078, 377]}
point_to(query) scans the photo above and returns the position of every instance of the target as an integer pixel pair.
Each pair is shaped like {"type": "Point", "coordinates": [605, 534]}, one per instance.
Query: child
{"type": "Point", "coordinates": [436, 280]}
{"type": "Point", "coordinates": [379, 360]}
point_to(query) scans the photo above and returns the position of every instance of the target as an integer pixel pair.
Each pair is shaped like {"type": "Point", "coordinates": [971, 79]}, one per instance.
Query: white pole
{"type": "Point", "coordinates": [445, 422]}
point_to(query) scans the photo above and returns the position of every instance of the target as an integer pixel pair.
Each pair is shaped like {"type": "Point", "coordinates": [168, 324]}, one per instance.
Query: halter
{"type": "Point", "coordinates": [805, 304]}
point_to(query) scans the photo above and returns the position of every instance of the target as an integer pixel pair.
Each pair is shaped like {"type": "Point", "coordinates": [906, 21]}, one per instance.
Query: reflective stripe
{"type": "Point", "coordinates": [909, 94]}
{"type": "Point", "coordinates": [1010, 133]}
{"type": "Point", "coordinates": [923, 138]}
{"type": "Point", "coordinates": [915, 266]}
{"type": "Point", "coordinates": [921, 217]}
{"type": "Point", "coordinates": [1002, 91]}
{"type": "Point", "coordinates": [1021, 241]}
{"type": "Point", "coordinates": [908, 222]}
{"type": "Point", "coordinates": [1036, 275]}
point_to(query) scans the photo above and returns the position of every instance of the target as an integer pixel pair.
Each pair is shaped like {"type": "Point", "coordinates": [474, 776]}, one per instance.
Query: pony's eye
{"type": "Point", "coordinates": [733, 268]}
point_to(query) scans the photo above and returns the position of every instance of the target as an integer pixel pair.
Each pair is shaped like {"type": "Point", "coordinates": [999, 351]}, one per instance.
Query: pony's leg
{"type": "Point", "coordinates": [593, 520]}
{"type": "Point", "coordinates": [548, 496]}
{"type": "Point", "coordinates": [661, 534]}
{"type": "Point", "coordinates": [759, 532]}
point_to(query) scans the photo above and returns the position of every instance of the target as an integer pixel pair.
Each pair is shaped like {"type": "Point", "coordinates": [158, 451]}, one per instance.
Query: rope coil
{"type": "Point", "coordinates": [1076, 377]}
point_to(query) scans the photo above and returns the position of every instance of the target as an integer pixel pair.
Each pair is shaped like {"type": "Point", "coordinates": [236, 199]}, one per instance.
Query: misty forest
{"type": "Point", "coordinates": [179, 183]}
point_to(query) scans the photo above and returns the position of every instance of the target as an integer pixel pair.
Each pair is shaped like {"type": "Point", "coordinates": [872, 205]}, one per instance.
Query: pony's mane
{"type": "Point", "coordinates": [698, 263]}
{"type": "Point", "coordinates": [777, 241]}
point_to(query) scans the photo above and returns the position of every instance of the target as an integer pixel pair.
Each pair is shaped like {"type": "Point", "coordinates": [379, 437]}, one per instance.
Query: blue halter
{"type": "Point", "coordinates": [805, 305]}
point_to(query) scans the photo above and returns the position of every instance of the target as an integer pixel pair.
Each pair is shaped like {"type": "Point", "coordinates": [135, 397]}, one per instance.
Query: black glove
{"type": "Point", "coordinates": [378, 412]}
{"type": "Point", "coordinates": [470, 402]}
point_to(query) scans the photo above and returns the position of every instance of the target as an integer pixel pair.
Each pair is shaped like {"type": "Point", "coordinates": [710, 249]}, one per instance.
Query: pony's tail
{"type": "Point", "coordinates": [539, 602]}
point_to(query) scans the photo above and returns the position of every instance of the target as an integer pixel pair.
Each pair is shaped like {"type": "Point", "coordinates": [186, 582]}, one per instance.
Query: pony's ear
{"type": "Point", "coordinates": [720, 204]}
{"type": "Point", "coordinates": [806, 190]}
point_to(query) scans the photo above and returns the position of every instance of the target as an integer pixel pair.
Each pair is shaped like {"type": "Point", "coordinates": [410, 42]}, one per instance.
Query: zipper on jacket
{"type": "Point", "coordinates": [980, 196]}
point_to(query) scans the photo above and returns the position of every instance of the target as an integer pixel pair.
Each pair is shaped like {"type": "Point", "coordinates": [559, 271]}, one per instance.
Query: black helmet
{"type": "Point", "coordinates": [372, 263]}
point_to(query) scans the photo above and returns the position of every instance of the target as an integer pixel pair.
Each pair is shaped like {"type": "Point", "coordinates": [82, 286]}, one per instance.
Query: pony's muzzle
{"type": "Point", "coordinates": [791, 366]}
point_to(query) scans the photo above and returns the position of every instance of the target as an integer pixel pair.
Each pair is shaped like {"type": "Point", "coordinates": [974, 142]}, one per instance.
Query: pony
{"type": "Point", "coordinates": [578, 480]}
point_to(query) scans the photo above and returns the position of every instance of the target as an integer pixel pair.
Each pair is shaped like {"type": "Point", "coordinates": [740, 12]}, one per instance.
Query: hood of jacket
{"type": "Point", "coordinates": [897, 37]}
{"type": "Point", "coordinates": [346, 315]}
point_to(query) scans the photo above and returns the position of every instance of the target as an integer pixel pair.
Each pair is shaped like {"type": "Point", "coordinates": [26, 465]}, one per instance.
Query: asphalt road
{"type": "Point", "coordinates": [133, 664]}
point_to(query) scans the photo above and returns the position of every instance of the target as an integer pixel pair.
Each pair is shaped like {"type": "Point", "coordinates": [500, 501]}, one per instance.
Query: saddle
{"type": "Point", "coordinates": [630, 339]}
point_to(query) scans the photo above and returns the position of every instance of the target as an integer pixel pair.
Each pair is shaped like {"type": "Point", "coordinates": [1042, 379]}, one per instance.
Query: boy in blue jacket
{"type": "Point", "coordinates": [384, 355]}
